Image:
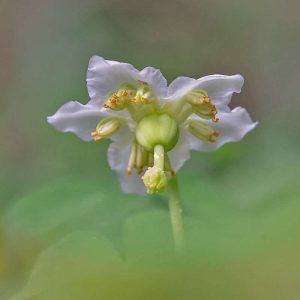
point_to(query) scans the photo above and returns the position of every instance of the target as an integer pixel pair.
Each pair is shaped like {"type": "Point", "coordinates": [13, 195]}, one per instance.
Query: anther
{"type": "Point", "coordinates": [142, 82]}
{"type": "Point", "coordinates": [129, 172]}
{"type": "Point", "coordinates": [97, 139]}
{"type": "Point", "coordinates": [94, 133]}
{"type": "Point", "coordinates": [133, 100]}
{"type": "Point", "coordinates": [105, 105]}
{"type": "Point", "coordinates": [212, 140]}
{"type": "Point", "coordinates": [206, 99]}
{"type": "Point", "coordinates": [145, 100]}
{"type": "Point", "coordinates": [216, 133]}
{"type": "Point", "coordinates": [216, 120]}
{"type": "Point", "coordinates": [172, 173]}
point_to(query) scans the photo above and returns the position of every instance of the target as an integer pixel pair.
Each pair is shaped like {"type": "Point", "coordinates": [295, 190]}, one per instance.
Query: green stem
{"type": "Point", "coordinates": [176, 216]}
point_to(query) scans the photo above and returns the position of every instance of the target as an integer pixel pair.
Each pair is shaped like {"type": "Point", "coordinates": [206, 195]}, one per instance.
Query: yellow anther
{"type": "Point", "coordinates": [129, 172]}
{"type": "Point", "coordinates": [105, 105]}
{"type": "Point", "coordinates": [145, 100]}
{"type": "Point", "coordinates": [172, 173]}
{"type": "Point", "coordinates": [142, 82]}
{"type": "Point", "coordinates": [133, 100]}
{"type": "Point", "coordinates": [216, 120]}
{"type": "Point", "coordinates": [125, 93]}
{"type": "Point", "coordinates": [216, 133]}
{"type": "Point", "coordinates": [206, 99]}
{"type": "Point", "coordinates": [212, 140]}
{"type": "Point", "coordinates": [214, 112]}
{"type": "Point", "coordinates": [94, 133]}
{"type": "Point", "coordinates": [97, 139]}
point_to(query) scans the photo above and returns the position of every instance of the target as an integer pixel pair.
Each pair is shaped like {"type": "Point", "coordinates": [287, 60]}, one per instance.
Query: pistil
{"type": "Point", "coordinates": [155, 178]}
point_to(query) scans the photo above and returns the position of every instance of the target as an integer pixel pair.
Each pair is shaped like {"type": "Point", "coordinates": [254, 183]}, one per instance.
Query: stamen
{"type": "Point", "coordinates": [206, 100]}
{"type": "Point", "coordinates": [139, 159]}
{"type": "Point", "coordinates": [132, 158]}
{"type": "Point", "coordinates": [105, 105]}
{"type": "Point", "coordinates": [145, 100]}
{"type": "Point", "coordinates": [216, 120]}
{"type": "Point", "coordinates": [97, 139]}
{"type": "Point", "coordinates": [94, 133]}
{"type": "Point", "coordinates": [202, 130]}
{"type": "Point", "coordinates": [168, 166]}
{"type": "Point", "coordinates": [150, 159]}
{"type": "Point", "coordinates": [143, 82]}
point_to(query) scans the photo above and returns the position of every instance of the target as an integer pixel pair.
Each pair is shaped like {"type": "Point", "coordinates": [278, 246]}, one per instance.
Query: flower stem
{"type": "Point", "coordinates": [176, 216]}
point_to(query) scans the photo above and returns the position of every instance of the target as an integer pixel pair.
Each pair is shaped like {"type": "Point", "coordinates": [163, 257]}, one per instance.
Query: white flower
{"type": "Point", "coordinates": [153, 126]}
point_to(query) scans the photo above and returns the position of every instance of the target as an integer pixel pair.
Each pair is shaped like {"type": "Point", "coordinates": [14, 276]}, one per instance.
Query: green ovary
{"type": "Point", "coordinates": [157, 129]}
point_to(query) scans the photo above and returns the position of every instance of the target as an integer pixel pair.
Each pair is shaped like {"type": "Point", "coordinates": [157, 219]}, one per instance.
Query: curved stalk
{"type": "Point", "coordinates": [176, 216]}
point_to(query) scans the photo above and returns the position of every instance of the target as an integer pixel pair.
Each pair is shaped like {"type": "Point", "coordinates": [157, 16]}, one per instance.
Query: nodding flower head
{"type": "Point", "coordinates": [153, 127]}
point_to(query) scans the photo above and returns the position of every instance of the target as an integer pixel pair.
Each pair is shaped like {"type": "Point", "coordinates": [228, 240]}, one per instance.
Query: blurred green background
{"type": "Point", "coordinates": [68, 232]}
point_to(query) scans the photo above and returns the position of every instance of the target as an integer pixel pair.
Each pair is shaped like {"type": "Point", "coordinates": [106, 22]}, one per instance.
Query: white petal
{"type": "Point", "coordinates": [219, 87]}
{"type": "Point", "coordinates": [106, 76]}
{"type": "Point", "coordinates": [156, 80]}
{"type": "Point", "coordinates": [118, 155]}
{"type": "Point", "coordinates": [233, 127]}
{"type": "Point", "coordinates": [78, 118]}
{"type": "Point", "coordinates": [181, 153]}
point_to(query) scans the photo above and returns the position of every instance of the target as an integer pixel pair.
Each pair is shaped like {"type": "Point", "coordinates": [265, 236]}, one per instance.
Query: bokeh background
{"type": "Point", "coordinates": [68, 232]}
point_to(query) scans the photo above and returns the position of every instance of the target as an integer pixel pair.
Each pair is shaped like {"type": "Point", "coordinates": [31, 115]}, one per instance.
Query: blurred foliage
{"type": "Point", "coordinates": [67, 230]}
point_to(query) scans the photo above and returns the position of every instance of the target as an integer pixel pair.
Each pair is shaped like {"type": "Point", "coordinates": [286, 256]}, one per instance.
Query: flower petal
{"type": "Point", "coordinates": [181, 152]}
{"type": "Point", "coordinates": [156, 80]}
{"type": "Point", "coordinates": [78, 118]}
{"type": "Point", "coordinates": [233, 127]}
{"type": "Point", "coordinates": [106, 76]}
{"type": "Point", "coordinates": [219, 87]}
{"type": "Point", "coordinates": [118, 155]}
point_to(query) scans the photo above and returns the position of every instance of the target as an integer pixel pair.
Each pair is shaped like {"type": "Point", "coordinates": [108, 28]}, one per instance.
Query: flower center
{"type": "Point", "coordinates": [157, 127]}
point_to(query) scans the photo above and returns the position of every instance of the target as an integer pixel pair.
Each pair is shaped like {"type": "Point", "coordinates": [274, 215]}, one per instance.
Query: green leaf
{"type": "Point", "coordinates": [67, 267]}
